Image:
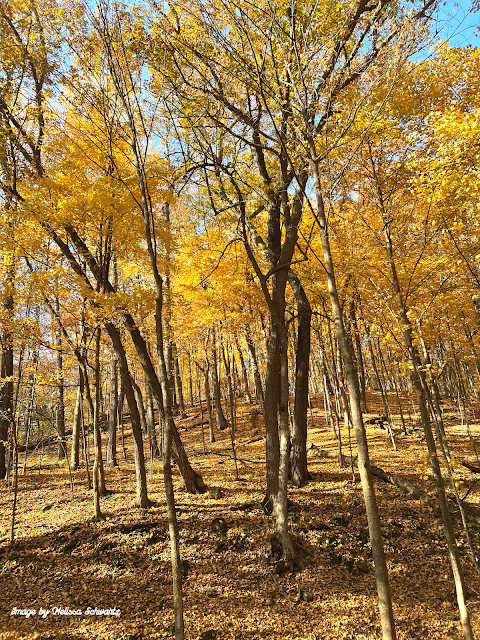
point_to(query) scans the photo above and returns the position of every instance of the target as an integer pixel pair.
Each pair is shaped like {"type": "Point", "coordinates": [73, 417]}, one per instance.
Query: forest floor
{"type": "Point", "coordinates": [63, 559]}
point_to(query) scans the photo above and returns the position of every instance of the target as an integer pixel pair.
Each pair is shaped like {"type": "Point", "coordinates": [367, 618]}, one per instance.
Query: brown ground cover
{"type": "Point", "coordinates": [61, 558]}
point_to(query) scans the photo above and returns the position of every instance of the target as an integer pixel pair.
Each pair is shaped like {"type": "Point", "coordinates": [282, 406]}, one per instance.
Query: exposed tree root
{"type": "Point", "coordinates": [295, 561]}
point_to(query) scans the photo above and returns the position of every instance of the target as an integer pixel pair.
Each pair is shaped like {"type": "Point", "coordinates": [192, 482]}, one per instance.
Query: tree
{"type": "Point", "coordinates": [21, 140]}
{"type": "Point", "coordinates": [258, 126]}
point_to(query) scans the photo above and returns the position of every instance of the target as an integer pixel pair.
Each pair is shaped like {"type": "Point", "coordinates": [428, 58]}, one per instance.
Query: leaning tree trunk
{"type": "Point", "coordinates": [193, 481]}
{"type": "Point", "coordinates": [127, 386]}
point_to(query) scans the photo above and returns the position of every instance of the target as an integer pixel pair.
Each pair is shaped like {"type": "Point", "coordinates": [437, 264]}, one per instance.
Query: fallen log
{"type": "Point", "coordinates": [45, 441]}
{"type": "Point", "coordinates": [471, 512]}
{"type": "Point", "coordinates": [471, 467]}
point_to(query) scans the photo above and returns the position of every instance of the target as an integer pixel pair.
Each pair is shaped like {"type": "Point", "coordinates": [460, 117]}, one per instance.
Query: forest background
{"type": "Point", "coordinates": [230, 207]}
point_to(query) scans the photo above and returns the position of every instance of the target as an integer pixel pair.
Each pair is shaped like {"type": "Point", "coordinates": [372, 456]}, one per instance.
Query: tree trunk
{"type": "Point", "coordinates": [279, 248]}
{"type": "Point", "coordinates": [395, 386]}
{"type": "Point", "coordinates": [193, 481]}
{"type": "Point", "coordinates": [60, 413]}
{"type": "Point", "coordinates": [6, 391]}
{"type": "Point", "coordinates": [383, 393]}
{"type": "Point", "coordinates": [167, 471]}
{"type": "Point", "coordinates": [426, 361]}
{"type": "Point", "coordinates": [161, 389]}
{"type": "Point", "coordinates": [298, 455]}
{"type": "Point", "coordinates": [420, 385]}
{"type": "Point", "coordinates": [120, 418]}
{"type": "Point", "coordinates": [171, 369]}
{"type": "Point", "coordinates": [151, 426]}
{"type": "Point", "coordinates": [244, 371]}
{"type": "Point", "coordinates": [113, 414]}
{"type": "Point", "coordinates": [270, 417]}
{"type": "Point", "coordinates": [231, 396]}
{"type": "Point", "coordinates": [190, 381]}
{"type": "Point", "coordinates": [127, 387]}
{"type": "Point", "coordinates": [280, 503]}
{"type": "Point", "coordinates": [141, 408]}
{"type": "Point", "coordinates": [96, 432]}
{"type": "Point", "coordinates": [359, 354]}
{"type": "Point", "coordinates": [77, 425]}
{"type": "Point", "coordinates": [31, 404]}
{"type": "Point", "coordinates": [381, 574]}
{"type": "Point", "coordinates": [178, 379]}
{"type": "Point", "coordinates": [219, 415]}
{"type": "Point", "coordinates": [419, 382]}
{"type": "Point", "coordinates": [208, 397]}
{"type": "Point", "coordinates": [256, 372]}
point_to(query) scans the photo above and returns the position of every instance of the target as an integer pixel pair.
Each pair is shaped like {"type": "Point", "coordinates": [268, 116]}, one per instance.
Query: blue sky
{"type": "Point", "coordinates": [458, 23]}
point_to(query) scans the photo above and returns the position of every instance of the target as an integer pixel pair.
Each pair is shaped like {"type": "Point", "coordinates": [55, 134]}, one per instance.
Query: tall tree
{"type": "Point", "coordinates": [268, 116]}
